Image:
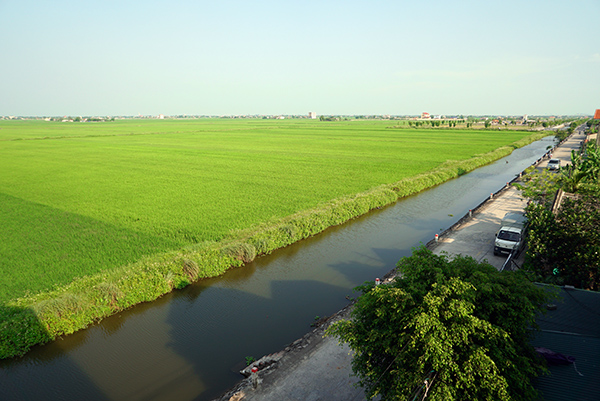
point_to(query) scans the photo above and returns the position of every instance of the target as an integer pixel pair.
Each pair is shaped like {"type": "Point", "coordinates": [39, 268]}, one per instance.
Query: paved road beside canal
{"type": "Point", "coordinates": [318, 368]}
{"type": "Point", "coordinates": [475, 236]}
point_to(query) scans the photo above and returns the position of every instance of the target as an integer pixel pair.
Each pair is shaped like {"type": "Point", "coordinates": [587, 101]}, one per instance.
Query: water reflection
{"type": "Point", "coordinates": [19, 382]}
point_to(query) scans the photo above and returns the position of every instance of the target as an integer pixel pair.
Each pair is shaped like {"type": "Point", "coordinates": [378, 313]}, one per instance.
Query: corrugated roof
{"type": "Point", "coordinates": [564, 381]}
{"type": "Point", "coordinates": [577, 311]}
{"type": "Point", "coordinates": [573, 329]}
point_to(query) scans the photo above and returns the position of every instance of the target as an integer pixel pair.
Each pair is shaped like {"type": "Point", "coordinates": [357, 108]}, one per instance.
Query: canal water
{"type": "Point", "coordinates": [190, 344]}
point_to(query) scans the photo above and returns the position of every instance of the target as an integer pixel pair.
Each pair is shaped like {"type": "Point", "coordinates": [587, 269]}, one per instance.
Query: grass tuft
{"type": "Point", "coordinates": [109, 293]}
{"type": "Point", "coordinates": [242, 251]}
{"type": "Point", "coordinates": [190, 269]}
{"type": "Point", "coordinates": [59, 307]}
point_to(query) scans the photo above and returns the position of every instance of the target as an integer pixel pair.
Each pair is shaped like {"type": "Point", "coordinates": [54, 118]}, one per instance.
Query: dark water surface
{"type": "Point", "coordinates": [190, 344]}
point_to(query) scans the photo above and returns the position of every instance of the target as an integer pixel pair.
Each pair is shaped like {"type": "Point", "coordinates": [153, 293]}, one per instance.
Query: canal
{"type": "Point", "coordinates": [190, 344]}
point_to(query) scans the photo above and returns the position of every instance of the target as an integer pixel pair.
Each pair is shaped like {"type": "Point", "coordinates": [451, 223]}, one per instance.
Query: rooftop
{"type": "Point", "coordinates": [572, 329]}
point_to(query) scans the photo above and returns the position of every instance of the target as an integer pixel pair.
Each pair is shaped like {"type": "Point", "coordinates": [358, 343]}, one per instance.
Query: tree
{"type": "Point", "coordinates": [591, 163]}
{"type": "Point", "coordinates": [565, 248]}
{"type": "Point", "coordinates": [572, 175]}
{"type": "Point", "coordinates": [448, 329]}
{"type": "Point", "coordinates": [539, 185]}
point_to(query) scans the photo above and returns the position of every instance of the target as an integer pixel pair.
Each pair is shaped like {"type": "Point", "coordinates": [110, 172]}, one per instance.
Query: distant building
{"type": "Point", "coordinates": [312, 115]}
{"type": "Point", "coordinates": [425, 115]}
{"type": "Point", "coordinates": [161, 116]}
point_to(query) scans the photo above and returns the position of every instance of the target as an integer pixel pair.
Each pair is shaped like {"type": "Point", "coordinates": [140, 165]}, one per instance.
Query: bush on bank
{"type": "Point", "coordinates": [43, 317]}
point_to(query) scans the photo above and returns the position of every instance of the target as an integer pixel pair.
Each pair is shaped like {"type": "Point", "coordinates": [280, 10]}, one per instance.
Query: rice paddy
{"type": "Point", "coordinates": [97, 217]}
{"type": "Point", "coordinates": [80, 198]}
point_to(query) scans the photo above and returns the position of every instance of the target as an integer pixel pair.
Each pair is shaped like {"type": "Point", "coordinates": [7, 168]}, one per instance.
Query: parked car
{"type": "Point", "coordinates": [511, 235]}
{"type": "Point", "coordinates": [554, 164]}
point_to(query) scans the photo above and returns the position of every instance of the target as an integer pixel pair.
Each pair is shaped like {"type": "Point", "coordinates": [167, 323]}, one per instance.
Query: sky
{"type": "Point", "coordinates": [230, 57]}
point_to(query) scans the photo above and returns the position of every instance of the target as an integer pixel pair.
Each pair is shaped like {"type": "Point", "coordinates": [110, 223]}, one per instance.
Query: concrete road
{"type": "Point", "coordinates": [563, 152]}
{"type": "Point", "coordinates": [319, 369]}
{"type": "Point", "coordinates": [323, 374]}
{"type": "Point", "coordinates": [475, 237]}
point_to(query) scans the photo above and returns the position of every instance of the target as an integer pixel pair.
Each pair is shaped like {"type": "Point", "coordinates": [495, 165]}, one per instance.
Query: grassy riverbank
{"type": "Point", "coordinates": [102, 218]}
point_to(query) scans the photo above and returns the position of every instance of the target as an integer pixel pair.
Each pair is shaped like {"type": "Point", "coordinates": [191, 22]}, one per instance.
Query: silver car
{"type": "Point", "coordinates": [554, 164]}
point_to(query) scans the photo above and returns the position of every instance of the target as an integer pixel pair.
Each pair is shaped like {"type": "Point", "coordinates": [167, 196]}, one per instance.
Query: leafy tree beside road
{"type": "Point", "coordinates": [564, 247]}
{"type": "Point", "coordinates": [449, 329]}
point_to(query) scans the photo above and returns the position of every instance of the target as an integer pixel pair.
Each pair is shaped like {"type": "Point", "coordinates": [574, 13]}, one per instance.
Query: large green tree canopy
{"type": "Point", "coordinates": [446, 330]}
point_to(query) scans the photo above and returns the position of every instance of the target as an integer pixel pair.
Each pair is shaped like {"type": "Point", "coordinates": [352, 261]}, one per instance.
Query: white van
{"type": "Point", "coordinates": [511, 235]}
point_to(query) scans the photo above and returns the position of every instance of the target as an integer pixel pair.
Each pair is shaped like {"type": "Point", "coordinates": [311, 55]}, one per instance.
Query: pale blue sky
{"type": "Point", "coordinates": [290, 57]}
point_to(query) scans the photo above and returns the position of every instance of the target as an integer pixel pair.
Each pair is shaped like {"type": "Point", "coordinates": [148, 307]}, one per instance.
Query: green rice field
{"type": "Point", "coordinates": [78, 199]}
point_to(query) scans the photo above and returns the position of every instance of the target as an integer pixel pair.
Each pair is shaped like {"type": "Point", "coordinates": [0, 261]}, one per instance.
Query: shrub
{"type": "Point", "coordinates": [109, 293]}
